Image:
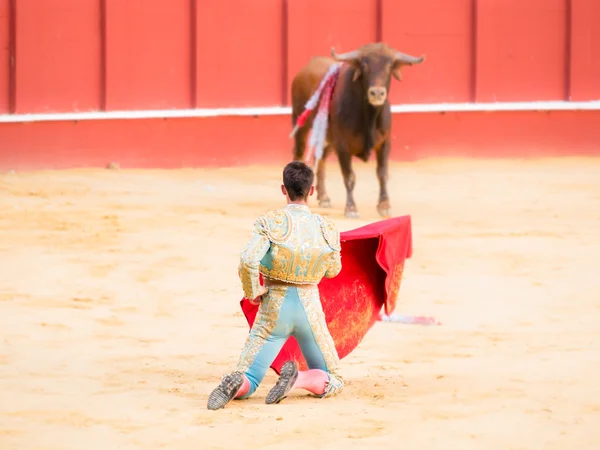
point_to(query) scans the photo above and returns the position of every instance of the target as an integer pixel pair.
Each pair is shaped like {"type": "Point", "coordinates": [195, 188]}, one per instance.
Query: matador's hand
{"type": "Point", "coordinates": [258, 299]}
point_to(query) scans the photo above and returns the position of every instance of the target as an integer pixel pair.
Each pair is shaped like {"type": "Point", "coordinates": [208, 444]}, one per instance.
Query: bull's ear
{"type": "Point", "coordinates": [397, 70]}
{"type": "Point", "coordinates": [402, 59]}
{"type": "Point", "coordinates": [357, 72]}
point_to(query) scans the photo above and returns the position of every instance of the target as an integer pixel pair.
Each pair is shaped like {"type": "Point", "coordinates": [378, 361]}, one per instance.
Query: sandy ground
{"type": "Point", "coordinates": [119, 312]}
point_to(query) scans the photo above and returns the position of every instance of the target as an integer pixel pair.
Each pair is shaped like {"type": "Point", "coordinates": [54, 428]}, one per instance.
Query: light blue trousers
{"type": "Point", "coordinates": [288, 311]}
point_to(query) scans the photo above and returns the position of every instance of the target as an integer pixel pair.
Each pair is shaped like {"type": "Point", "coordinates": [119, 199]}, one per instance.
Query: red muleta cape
{"type": "Point", "coordinates": [372, 264]}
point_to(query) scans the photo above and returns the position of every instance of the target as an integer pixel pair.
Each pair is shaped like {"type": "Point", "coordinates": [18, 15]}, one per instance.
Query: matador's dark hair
{"type": "Point", "coordinates": [298, 178]}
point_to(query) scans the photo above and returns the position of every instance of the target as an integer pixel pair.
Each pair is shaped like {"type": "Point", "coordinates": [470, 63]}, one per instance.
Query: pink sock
{"type": "Point", "coordinates": [313, 380]}
{"type": "Point", "coordinates": [244, 388]}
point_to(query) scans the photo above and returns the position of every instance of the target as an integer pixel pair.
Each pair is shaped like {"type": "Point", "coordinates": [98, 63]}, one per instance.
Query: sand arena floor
{"type": "Point", "coordinates": [119, 312]}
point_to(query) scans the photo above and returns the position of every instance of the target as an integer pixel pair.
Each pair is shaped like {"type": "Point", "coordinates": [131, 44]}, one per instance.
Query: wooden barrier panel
{"type": "Point", "coordinates": [314, 26]}
{"type": "Point", "coordinates": [521, 50]}
{"type": "Point", "coordinates": [86, 55]}
{"type": "Point", "coordinates": [239, 53]}
{"type": "Point", "coordinates": [442, 31]}
{"type": "Point", "coordinates": [57, 55]}
{"type": "Point", "coordinates": [148, 58]}
{"type": "Point", "coordinates": [4, 56]}
{"type": "Point", "coordinates": [209, 141]}
{"type": "Point", "coordinates": [585, 50]}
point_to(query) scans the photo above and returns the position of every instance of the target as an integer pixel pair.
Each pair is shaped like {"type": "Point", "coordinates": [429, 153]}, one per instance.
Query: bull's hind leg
{"type": "Point", "coordinates": [349, 181]}
{"type": "Point", "coordinates": [300, 139]}
{"type": "Point", "coordinates": [322, 196]}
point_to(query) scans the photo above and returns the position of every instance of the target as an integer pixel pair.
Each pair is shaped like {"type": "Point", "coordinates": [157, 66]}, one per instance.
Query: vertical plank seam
{"type": "Point", "coordinates": [284, 52]}
{"type": "Point", "coordinates": [193, 53]}
{"type": "Point", "coordinates": [379, 21]}
{"type": "Point", "coordinates": [12, 56]}
{"type": "Point", "coordinates": [474, 13]}
{"type": "Point", "coordinates": [568, 47]}
{"type": "Point", "coordinates": [103, 55]}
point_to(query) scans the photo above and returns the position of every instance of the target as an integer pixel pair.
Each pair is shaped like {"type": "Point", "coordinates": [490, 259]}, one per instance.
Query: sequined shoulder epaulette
{"type": "Point", "coordinates": [278, 225]}
{"type": "Point", "coordinates": [330, 232]}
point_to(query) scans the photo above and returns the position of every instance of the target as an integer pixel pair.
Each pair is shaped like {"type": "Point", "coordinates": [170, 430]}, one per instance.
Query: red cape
{"type": "Point", "coordinates": [372, 264]}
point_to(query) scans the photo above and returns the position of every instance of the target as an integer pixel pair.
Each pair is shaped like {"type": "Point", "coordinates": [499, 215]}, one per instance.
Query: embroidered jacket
{"type": "Point", "coordinates": [292, 245]}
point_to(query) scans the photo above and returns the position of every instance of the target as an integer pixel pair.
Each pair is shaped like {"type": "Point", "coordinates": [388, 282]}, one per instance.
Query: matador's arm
{"type": "Point", "coordinates": [250, 259]}
{"type": "Point", "coordinates": [334, 265]}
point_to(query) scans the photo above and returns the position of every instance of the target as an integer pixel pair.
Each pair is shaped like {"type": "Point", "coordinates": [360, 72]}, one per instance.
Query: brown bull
{"type": "Point", "coordinates": [359, 114]}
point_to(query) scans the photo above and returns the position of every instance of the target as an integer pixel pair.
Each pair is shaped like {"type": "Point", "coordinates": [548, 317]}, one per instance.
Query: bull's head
{"type": "Point", "coordinates": [375, 64]}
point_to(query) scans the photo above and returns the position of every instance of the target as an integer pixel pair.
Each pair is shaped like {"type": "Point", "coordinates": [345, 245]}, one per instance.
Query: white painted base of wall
{"type": "Point", "coordinates": [280, 110]}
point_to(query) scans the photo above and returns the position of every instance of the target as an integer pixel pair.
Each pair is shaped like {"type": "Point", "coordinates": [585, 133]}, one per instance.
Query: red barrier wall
{"type": "Point", "coordinates": [585, 50]}
{"type": "Point", "coordinates": [57, 55]}
{"type": "Point", "coordinates": [224, 141]}
{"type": "Point", "coordinates": [314, 26]}
{"type": "Point", "coordinates": [522, 50]}
{"type": "Point", "coordinates": [148, 60]}
{"type": "Point", "coordinates": [446, 38]}
{"type": "Point", "coordinates": [239, 55]}
{"type": "Point", "coordinates": [105, 55]}
{"type": "Point", "coordinates": [82, 55]}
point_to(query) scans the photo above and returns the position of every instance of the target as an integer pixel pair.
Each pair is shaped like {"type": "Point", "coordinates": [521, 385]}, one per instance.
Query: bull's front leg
{"type": "Point", "coordinates": [383, 153]}
{"type": "Point", "coordinates": [345, 159]}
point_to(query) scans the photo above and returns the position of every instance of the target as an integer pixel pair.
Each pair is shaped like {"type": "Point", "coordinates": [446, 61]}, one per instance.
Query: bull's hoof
{"type": "Point", "coordinates": [385, 213]}
{"type": "Point", "coordinates": [384, 210]}
{"type": "Point", "coordinates": [325, 203]}
{"type": "Point", "coordinates": [352, 214]}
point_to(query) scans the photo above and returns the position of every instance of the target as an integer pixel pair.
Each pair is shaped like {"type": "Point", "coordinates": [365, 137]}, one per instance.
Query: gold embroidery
{"type": "Point", "coordinates": [250, 258]}
{"type": "Point", "coordinates": [330, 233]}
{"type": "Point", "coordinates": [334, 386]}
{"type": "Point", "coordinates": [264, 324]}
{"type": "Point", "coordinates": [316, 318]}
{"type": "Point", "coordinates": [282, 262]}
{"type": "Point", "coordinates": [396, 275]}
{"type": "Point", "coordinates": [334, 266]}
{"type": "Point", "coordinates": [278, 225]}
{"type": "Point", "coordinates": [305, 247]}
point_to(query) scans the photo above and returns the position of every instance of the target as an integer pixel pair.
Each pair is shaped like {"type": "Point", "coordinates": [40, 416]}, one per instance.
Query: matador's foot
{"type": "Point", "coordinates": [285, 383]}
{"type": "Point", "coordinates": [225, 391]}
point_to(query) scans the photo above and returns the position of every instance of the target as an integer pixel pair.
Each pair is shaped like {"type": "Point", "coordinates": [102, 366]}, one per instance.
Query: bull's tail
{"type": "Point", "coordinates": [320, 124]}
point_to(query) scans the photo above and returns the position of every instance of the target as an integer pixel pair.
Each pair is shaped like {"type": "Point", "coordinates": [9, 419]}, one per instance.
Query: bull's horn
{"type": "Point", "coordinates": [407, 59]}
{"type": "Point", "coordinates": [344, 56]}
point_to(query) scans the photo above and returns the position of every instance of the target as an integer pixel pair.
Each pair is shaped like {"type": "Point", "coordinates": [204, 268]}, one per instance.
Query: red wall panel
{"type": "Point", "coordinates": [57, 55]}
{"type": "Point", "coordinates": [442, 31]}
{"type": "Point", "coordinates": [197, 142]}
{"type": "Point", "coordinates": [239, 53]}
{"type": "Point", "coordinates": [4, 56]}
{"type": "Point", "coordinates": [521, 50]}
{"type": "Point", "coordinates": [154, 54]}
{"type": "Point", "coordinates": [585, 50]}
{"type": "Point", "coordinates": [148, 54]}
{"type": "Point", "coordinates": [314, 26]}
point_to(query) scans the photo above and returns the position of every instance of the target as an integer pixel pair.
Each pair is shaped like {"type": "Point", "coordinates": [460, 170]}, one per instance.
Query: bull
{"type": "Point", "coordinates": [359, 115]}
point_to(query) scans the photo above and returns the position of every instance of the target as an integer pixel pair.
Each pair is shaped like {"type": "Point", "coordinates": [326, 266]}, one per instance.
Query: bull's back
{"type": "Point", "coordinates": [307, 80]}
